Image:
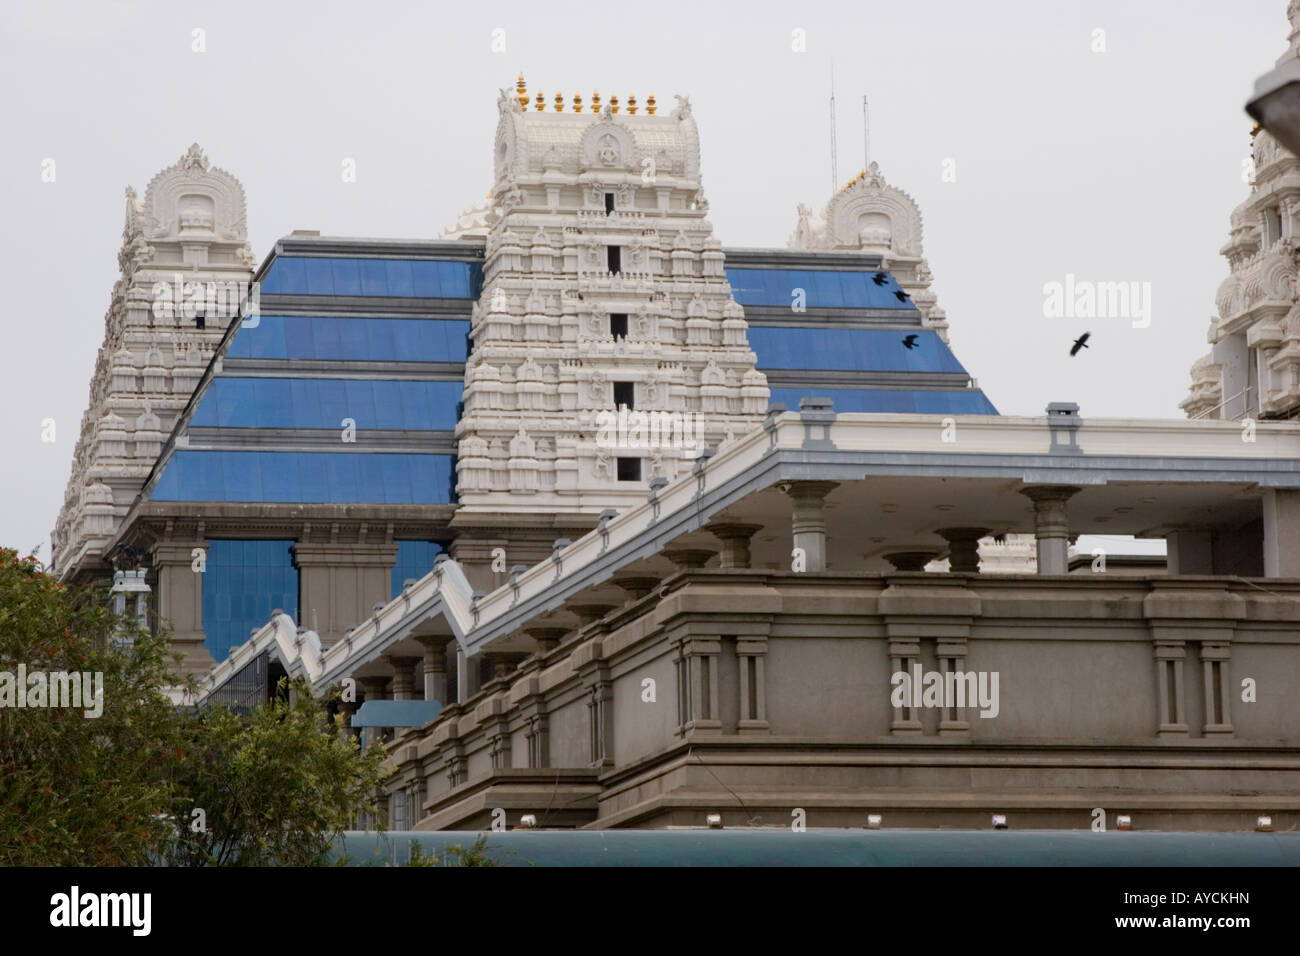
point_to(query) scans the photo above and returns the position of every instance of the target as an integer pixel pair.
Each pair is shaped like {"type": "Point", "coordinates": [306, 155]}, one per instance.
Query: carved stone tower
{"type": "Point", "coordinates": [186, 265]}
{"type": "Point", "coordinates": [606, 345]}
{"type": "Point", "coordinates": [870, 215]}
{"type": "Point", "coordinates": [1254, 367]}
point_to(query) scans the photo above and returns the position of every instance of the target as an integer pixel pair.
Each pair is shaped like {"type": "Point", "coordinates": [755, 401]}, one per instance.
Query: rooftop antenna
{"type": "Point", "coordinates": [866, 134]}
{"type": "Point", "coordinates": [835, 162]}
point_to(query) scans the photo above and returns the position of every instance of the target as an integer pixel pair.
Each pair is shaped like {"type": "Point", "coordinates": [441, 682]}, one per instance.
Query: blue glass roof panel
{"type": "Point", "coordinates": [965, 402]}
{"type": "Point", "coordinates": [422, 278]}
{"type": "Point", "coordinates": [232, 402]}
{"type": "Point", "coordinates": [306, 477]}
{"type": "Point", "coordinates": [823, 288]}
{"type": "Point", "coordinates": [362, 340]}
{"type": "Point", "coordinates": [860, 350]}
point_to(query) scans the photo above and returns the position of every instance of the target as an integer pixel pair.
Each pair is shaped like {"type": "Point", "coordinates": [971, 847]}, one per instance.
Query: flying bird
{"type": "Point", "coordinates": [910, 341]}
{"type": "Point", "coordinates": [879, 278]}
{"type": "Point", "coordinates": [901, 296]}
{"type": "Point", "coordinates": [1080, 343]}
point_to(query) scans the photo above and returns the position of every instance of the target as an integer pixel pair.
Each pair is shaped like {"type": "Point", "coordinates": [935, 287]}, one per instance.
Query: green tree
{"type": "Point", "coordinates": [273, 788]}
{"type": "Point", "coordinates": [78, 790]}
{"type": "Point", "coordinates": [120, 787]}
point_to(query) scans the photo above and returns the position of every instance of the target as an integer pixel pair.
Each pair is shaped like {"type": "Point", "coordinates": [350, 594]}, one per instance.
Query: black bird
{"type": "Point", "coordinates": [879, 278]}
{"type": "Point", "coordinates": [1080, 343]}
{"type": "Point", "coordinates": [910, 341]}
{"type": "Point", "coordinates": [901, 296]}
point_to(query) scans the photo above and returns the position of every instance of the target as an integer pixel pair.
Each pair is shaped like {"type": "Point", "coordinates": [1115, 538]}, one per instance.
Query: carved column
{"type": "Point", "coordinates": [735, 542]}
{"type": "Point", "coordinates": [1215, 657]}
{"type": "Point", "coordinates": [911, 560]}
{"type": "Point", "coordinates": [435, 668]}
{"type": "Point", "coordinates": [952, 659]}
{"type": "Point", "coordinates": [403, 676]}
{"type": "Point", "coordinates": [1051, 526]}
{"type": "Point", "coordinates": [902, 655]}
{"type": "Point", "coordinates": [808, 519]}
{"type": "Point", "coordinates": [964, 548]}
{"type": "Point", "coordinates": [751, 652]}
{"type": "Point", "coordinates": [1170, 655]}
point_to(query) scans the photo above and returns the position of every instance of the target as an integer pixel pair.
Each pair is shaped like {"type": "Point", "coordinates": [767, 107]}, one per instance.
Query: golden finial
{"type": "Point", "coordinates": [650, 105]}
{"type": "Point", "coordinates": [613, 104]}
{"type": "Point", "coordinates": [577, 102]}
{"type": "Point", "coordinates": [1254, 130]}
{"type": "Point", "coordinates": [631, 104]}
{"type": "Point", "coordinates": [595, 101]}
{"type": "Point", "coordinates": [521, 92]}
{"type": "Point", "coordinates": [559, 102]}
{"type": "Point", "coordinates": [540, 103]}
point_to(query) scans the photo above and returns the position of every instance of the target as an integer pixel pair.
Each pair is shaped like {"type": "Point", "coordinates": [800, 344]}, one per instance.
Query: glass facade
{"type": "Point", "coordinates": [325, 402]}
{"type": "Point", "coordinates": [398, 278]}
{"type": "Point", "coordinates": [860, 350]}
{"type": "Point", "coordinates": [358, 340]}
{"type": "Point", "coordinates": [304, 477]}
{"type": "Point", "coordinates": [823, 289]}
{"type": "Point", "coordinates": [350, 338]}
{"type": "Point", "coordinates": [964, 402]}
{"type": "Point", "coordinates": [243, 582]}
{"type": "Point", "coordinates": [414, 561]}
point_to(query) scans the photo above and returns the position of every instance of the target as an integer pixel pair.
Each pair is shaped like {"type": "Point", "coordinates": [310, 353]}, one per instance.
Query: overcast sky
{"type": "Point", "coordinates": [1120, 165]}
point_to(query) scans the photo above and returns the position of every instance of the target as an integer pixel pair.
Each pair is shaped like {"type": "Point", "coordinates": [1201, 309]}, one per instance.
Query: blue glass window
{"type": "Point", "coordinates": [823, 288]}
{"type": "Point", "coordinates": [306, 477]}
{"type": "Point", "coordinates": [360, 340]}
{"type": "Point", "coordinates": [414, 561]}
{"type": "Point", "coordinates": [324, 403]}
{"type": "Point", "coordinates": [421, 278]}
{"type": "Point", "coordinates": [969, 402]}
{"type": "Point", "coordinates": [860, 350]}
{"type": "Point", "coordinates": [243, 582]}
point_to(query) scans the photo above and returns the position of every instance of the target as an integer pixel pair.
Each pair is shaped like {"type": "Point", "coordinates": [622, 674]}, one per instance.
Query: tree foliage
{"type": "Point", "coordinates": [274, 788]}
{"type": "Point", "coordinates": [121, 788]}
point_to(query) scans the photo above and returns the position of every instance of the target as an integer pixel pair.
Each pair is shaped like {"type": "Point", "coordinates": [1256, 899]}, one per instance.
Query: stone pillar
{"type": "Point", "coordinates": [1051, 526]}
{"type": "Point", "coordinates": [467, 676]}
{"type": "Point", "coordinates": [180, 600]}
{"type": "Point", "coordinates": [687, 559]}
{"type": "Point", "coordinates": [548, 638]}
{"type": "Point", "coordinates": [636, 586]}
{"type": "Point", "coordinates": [809, 519]}
{"type": "Point", "coordinates": [1282, 533]}
{"type": "Point", "coordinates": [735, 543]}
{"type": "Point", "coordinates": [1215, 657]}
{"type": "Point", "coordinates": [902, 655]}
{"type": "Point", "coordinates": [751, 652]}
{"type": "Point", "coordinates": [341, 583]}
{"type": "Point", "coordinates": [435, 668]}
{"type": "Point", "coordinates": [910, 560]}
{"type": "Point", "coordinates": [403, 676]}
{"type": "Point", "coordinates": [1170, 655]}
{"type": "Point", "coordinates": [964, 548]}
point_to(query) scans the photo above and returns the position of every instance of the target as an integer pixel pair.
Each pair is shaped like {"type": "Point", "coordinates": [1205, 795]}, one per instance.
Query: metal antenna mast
{"type": "Point", "coordinates": [835, 162]}
{"type": "Point", "coordinates": [866, 134]}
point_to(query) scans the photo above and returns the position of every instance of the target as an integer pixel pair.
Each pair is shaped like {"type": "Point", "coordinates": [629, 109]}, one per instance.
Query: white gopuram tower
{"type": "Point", "coordinates": [1253, 369]}
{"type": "Point", "coordinates": [869, 215]}
{"type": "Point", "coordinates": [186, 264]}
{"type": "Point", "coordinates": [606, 346]}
